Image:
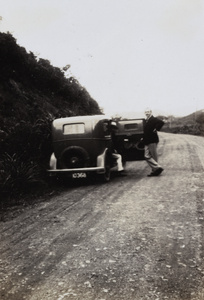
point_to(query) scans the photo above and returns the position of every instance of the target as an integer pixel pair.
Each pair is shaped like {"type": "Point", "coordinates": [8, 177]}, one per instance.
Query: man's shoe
{"type": "Point", "coordinates": [122, 173]}
{"type": "Point", "coordinates": [158, 171]}
{"type": "Point", "coordinates": [151, 174]}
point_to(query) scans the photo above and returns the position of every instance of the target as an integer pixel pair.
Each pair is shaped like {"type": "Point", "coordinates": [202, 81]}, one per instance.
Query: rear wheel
{"type": "Point", "coordinates": [74, 157]}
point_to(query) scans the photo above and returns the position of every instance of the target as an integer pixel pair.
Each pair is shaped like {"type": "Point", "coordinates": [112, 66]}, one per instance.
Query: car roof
{"type": "Point", "coordinates": [81, 119]}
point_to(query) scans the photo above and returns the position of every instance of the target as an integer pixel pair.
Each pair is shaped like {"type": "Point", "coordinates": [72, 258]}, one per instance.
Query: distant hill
{"type": "Point", "coordinates": [32, 94]}
{"type": "Point", "coordinates": [190, 124]}
{"type": "Point", "coordinates": [191, 119]}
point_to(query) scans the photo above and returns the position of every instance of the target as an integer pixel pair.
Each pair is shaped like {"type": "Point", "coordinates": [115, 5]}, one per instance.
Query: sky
{"type": "Point", "coordinates": [128, 54]}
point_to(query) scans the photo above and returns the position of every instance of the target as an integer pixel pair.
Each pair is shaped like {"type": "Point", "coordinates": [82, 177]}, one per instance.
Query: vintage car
{"type": "Point", "coordinates": [84, 144]}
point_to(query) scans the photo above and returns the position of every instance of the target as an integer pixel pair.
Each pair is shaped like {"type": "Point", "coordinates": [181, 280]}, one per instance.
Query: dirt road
{"type": "Point", "coordinates": [136, 237]}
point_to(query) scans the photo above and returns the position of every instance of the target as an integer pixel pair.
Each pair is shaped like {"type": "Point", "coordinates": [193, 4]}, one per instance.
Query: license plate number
{"type": "Point", "coordinates": [79, 175]}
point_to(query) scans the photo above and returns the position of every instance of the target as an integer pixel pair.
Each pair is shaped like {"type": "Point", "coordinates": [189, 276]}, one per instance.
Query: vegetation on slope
{"type": "Point", "coordinates": [190, 124]}
{"type": "Point", "coordinates": [32, 94]}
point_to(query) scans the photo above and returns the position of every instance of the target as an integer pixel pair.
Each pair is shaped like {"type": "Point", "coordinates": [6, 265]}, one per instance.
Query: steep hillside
{"type": "Point", "coordinates": [32, 94]}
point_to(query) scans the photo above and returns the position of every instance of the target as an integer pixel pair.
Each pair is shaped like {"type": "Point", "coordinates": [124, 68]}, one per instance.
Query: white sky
{"type": "Point", "coordinates": [128, 54]}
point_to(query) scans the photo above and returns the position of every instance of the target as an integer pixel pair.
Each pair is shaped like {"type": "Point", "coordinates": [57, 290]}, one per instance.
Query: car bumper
{"type": "Point", "coordinates": [99, 170]}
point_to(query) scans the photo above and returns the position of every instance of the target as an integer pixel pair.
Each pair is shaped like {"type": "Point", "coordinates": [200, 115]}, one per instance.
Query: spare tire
{"type": "Point", "coordinates": [74, 157]}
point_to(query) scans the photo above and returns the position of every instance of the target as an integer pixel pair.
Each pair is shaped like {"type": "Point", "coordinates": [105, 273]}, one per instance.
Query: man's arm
{"type": "Point", "coordinates": [159, 124]}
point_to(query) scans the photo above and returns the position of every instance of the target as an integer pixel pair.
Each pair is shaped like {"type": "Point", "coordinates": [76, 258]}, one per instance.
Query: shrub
{"type": "Point", "coordinates": [32, 94]}
{"type": "Point", "coordinates": [18, 177]}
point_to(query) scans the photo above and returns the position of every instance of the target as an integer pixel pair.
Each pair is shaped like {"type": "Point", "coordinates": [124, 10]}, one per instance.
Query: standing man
{"type": "Point", "coordinates": [151, 140]}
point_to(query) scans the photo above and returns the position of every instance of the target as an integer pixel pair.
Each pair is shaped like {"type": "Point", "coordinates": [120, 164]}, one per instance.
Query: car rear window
{"type": "Point", "coordinates": [136, 126]}
{"type": "Point", "coordinates": [131, 126]}
{"type": "Point", "coordinates": [77, 128]}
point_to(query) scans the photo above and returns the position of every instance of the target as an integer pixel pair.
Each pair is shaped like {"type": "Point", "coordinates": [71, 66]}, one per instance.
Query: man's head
{"type": "Point", "coordinates": [148, 112]}
{"type": "Point", "coordinates": [113, 127]}
{"type": "Point", "coordinates": [113, 124]}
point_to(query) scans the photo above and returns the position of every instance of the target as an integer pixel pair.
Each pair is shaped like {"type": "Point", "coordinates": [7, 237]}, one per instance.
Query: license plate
{"type": "Point", "coordinates": [79, 175]}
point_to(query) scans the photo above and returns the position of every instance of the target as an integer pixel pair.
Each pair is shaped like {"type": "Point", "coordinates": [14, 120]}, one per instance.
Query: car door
{"type": "Point", "coordinates": [129, 139]}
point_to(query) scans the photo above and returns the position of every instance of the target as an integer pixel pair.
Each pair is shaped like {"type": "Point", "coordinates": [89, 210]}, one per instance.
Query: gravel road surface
{"type": "Point", "coordinates": [134, 238]}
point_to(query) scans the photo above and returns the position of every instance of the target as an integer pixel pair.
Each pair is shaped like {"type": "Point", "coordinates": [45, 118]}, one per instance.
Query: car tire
{"type": "Point", "coordinates": [74, 157]}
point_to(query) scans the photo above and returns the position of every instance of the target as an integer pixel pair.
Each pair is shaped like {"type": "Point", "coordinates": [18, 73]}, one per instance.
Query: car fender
{"type": "Point", "coordinates": [53, 162]}
{"type": "Point", "coordinates": [101, 160]}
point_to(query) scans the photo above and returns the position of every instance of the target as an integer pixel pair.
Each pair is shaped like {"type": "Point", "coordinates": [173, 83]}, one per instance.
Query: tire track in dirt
{"type": "Point", "coordinates": [189, 167]}
{"type": "Point", "coordinates": [197, 168]}
{"type": "Point", "coordinates": [26, 249]}
{"type": "Point", "coordinates": [40, 214]}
